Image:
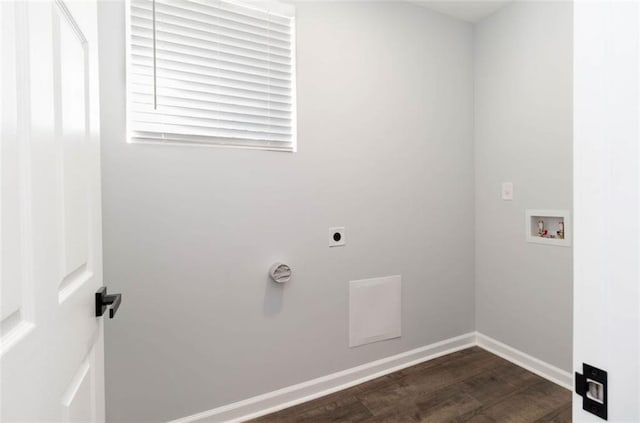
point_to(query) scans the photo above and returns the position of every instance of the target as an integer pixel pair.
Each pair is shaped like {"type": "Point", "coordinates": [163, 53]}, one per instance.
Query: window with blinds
{"type": "Point", "coordinates": [212, 72]}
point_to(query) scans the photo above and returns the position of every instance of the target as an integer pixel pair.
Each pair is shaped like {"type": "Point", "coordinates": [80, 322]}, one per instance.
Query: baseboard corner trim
{"type": "Point", "coordinates": [306, 391]}
{"type": "Point", "coordinates": [526, 361]}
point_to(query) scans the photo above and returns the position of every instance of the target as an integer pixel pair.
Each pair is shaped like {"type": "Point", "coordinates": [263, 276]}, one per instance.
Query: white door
{"type": "Point", "coordinates": [606, 202]}
{"type": "Point", "coordinates": [51, 260]}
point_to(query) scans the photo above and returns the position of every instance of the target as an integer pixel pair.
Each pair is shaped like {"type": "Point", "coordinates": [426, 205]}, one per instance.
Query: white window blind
{"type": "Point", "coordinates": [212, 72]}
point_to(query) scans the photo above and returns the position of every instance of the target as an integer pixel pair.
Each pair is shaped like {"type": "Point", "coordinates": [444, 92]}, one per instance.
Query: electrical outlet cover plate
{"type": "Point", "coordinates": [507, 191]}
{"type": "Point", "coordinates": [337, 237]}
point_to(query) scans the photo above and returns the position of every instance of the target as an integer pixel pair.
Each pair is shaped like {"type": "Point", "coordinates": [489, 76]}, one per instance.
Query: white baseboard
{"type": "Point", "coordinates": [296, 394]}
{"type": "Point", "coordinates": [539, 367]}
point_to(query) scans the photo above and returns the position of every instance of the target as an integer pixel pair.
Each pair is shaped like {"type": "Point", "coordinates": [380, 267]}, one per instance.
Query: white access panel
{"type": "Point", "coordinates": [375, 310]}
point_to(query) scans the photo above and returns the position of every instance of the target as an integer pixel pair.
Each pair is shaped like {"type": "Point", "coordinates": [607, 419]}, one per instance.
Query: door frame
{"type": "Point", "coordinates": [606, 206]}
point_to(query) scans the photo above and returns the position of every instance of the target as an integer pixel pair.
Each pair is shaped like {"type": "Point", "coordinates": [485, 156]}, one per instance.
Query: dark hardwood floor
{"type": "Point", "coordinates": [472, 385]}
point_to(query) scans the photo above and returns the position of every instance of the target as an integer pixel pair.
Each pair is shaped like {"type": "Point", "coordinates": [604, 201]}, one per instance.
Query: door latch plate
{"type": "Point", "coordinates": [592, 387]}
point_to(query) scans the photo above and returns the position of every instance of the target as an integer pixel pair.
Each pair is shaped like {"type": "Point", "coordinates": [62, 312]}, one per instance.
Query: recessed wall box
{"type": "Point", "coordinates": [550, 227]}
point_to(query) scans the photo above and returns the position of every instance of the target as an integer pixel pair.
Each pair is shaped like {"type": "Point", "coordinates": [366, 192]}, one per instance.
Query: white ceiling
{"type": "Point", "coordinates": [467, 10]}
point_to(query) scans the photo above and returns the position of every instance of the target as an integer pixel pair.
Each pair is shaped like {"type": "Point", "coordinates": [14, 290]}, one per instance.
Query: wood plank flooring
{"type": "Point", "coordinates": [471, 386]}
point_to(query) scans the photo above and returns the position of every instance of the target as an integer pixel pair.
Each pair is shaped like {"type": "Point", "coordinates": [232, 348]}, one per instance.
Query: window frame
{"type": "Point", "coordinates": [288, 10]}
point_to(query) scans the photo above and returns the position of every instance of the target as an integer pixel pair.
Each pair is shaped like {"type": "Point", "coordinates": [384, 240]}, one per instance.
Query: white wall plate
{"type": "Point", "coordinates": [337, 237]}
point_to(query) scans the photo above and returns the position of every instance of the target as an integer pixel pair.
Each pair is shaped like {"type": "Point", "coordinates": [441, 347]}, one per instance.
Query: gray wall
{"type": "Point", "coordinates": [385, 148]}
{"type": "Point", "coordinates": [523, 134]}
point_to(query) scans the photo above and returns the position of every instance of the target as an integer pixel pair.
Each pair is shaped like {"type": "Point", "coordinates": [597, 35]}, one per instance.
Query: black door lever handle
{"type": "Point", "coordinates": [103, 301]}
